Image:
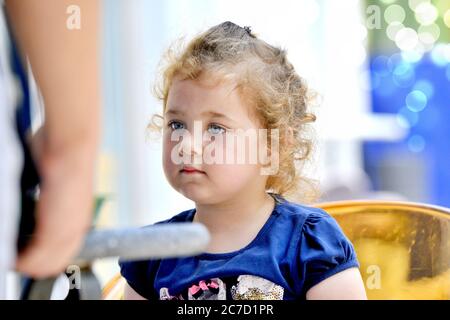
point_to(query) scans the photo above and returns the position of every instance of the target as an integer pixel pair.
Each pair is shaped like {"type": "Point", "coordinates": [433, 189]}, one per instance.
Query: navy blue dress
{"type": "Point", "coordinates": [298, 247]}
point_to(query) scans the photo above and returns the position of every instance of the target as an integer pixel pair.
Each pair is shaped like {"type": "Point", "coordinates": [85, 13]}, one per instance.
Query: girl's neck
{"type": "Point", "coordinates": [235, 213]}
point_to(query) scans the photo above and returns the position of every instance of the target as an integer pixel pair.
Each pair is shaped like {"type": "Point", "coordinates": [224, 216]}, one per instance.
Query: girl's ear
{"type": "Point", "coordinates": [270, 158]}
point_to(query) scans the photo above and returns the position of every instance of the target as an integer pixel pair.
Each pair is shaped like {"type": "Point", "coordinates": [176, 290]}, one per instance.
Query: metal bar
{"type": "Point", "coordinates": [156, 241]}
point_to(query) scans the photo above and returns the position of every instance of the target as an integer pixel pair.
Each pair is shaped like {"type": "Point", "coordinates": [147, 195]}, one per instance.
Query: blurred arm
{"type": "Point", "coordinates": [66, 69]}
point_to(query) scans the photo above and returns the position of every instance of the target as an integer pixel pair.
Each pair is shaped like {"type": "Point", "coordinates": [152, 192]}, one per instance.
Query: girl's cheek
{"type": "Point", "coordinates": [226, 153]}
{"type": "Point", "coordinates": [167, 152]}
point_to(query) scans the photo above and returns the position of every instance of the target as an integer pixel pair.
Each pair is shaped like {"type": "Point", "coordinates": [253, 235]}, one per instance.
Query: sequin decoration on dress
{"type": "Point", "coordinates": [250, 287]}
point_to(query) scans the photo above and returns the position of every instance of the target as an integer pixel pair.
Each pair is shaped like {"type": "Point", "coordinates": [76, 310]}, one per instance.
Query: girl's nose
{"type": "Point", "coordinates": [190, 145]}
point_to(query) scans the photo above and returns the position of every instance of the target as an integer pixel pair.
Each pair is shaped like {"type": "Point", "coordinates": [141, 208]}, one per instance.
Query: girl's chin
{"type": "Point", "coordinates": [199, 197]}
{"type": "Point", "coordinates": [194, 195]}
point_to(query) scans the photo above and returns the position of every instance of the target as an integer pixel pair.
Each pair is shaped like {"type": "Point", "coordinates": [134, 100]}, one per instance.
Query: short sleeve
{"type": "Point", "coordinates": [324, 250]}
{"type": "Point", "coordinates": [140, 276]}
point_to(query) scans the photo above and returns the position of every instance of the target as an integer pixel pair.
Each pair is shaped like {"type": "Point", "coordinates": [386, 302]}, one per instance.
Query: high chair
{"type": "Point", "coordinates": [403, 248]}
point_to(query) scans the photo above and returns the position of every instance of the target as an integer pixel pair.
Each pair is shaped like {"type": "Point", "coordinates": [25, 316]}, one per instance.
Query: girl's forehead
{"type": "Point", "coordinates": [202, 89]}
{"type": "Point", "coordinates": [199, 97]}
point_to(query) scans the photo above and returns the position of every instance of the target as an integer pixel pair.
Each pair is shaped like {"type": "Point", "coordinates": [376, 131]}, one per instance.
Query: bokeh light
{"type": "Point", "coordinates": [406, 39]}
{"type": "Point", "coordinates": [426, 87]}
{"type": "Point", "coordinates": [393, 28]}
{"type": "Point", "coordinates": [416, 143]}
{"type": "Point", "coordinates": [414, 3]}
{"type": "Point", "coordinates": [413, 56]}
{"type": "Point", "coordinates": [411, 118]}
{"type": "Point", "coordinates": [402, 121]}
{"type": "Point", "coordinates": [426, 13]}
{"type": "Point", "coordinates": [429, 34]}
{"type": "Point", "coordinates": [447, 18]}
{"type": "Point", "coordinates": [380, 65]}
{"type": "Point", "coordinates": [440, 54]}
{"type": "Point", "coordinates": [416, 101]}
{"type": "Point", "coordinates": [388, 1]}
{"type": "Point", "coordinates": [394, 61]}
{"type": "Point", "coordinates": [394, 13]}
{"type": "Point", "coordinates": [403, 75]}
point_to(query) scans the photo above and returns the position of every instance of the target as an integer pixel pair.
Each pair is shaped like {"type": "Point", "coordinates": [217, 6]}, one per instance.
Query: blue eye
{"type": "Point", "coordinates": [176, 125]}
{"type": "Point", "coordinates": [215, 129]}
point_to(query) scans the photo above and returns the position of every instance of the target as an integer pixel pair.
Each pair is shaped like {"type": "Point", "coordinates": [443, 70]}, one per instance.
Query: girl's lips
{"type": "Point", "coordinates": [190, 170]}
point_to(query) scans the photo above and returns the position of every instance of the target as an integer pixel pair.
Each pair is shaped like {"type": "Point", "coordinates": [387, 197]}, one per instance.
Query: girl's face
{"type": "Point", "coordinates": [200, 161]}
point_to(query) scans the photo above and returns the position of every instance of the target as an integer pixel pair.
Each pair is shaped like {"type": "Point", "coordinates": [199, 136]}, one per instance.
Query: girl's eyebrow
{"type": "Point", "coordinates": [174, 112]}
{"type": "Point", "coordinates": [215, 114]}
{"type": "Point", "coordinates": [210, 113]}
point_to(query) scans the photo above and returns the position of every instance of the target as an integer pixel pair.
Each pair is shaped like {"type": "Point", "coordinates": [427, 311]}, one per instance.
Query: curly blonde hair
{"type": "Point", "coordinates": [266, 80]}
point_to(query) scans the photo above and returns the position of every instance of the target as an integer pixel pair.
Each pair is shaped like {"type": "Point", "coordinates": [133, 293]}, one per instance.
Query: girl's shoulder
{"type": "Point", "coordinates": [184, 216]}
{"type": "Point", "coordinates": [316, 230]}
{"type": "Point", "coordinates": [305, 215]}
{"type": "Point", "coordinates": [322, 248]}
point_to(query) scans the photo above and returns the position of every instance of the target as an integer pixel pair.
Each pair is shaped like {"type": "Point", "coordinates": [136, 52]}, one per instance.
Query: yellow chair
{"type": "Point", "coordinates": [114, 289]}
{"type": "Point", "coordinates": [403, 248]}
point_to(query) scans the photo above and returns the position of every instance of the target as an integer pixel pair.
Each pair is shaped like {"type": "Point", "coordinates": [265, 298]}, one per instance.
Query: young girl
{"type": "Point", "coordinates": [226, 82]}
